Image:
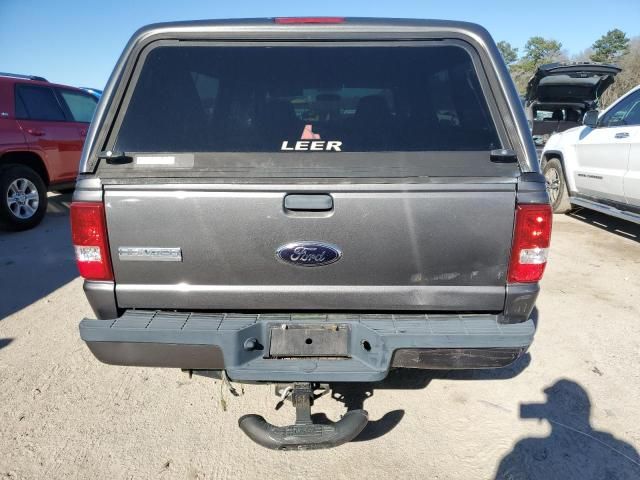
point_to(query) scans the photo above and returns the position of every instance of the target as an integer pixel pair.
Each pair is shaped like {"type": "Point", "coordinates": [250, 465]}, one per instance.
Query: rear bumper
{"type": "Point", "coordinates": [240, 343]}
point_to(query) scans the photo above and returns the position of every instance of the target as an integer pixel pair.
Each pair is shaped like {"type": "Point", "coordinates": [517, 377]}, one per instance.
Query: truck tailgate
{"type": "Point", "coordinates": [405, 246]}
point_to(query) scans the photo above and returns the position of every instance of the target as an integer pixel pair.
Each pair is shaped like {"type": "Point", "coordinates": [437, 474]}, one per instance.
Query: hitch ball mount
{"type": "Point", "coordinates": [303, 434]}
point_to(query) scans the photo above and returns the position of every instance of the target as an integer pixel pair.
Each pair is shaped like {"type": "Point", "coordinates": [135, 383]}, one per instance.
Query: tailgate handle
{"type": "Point", "coordinates": [313, 202]}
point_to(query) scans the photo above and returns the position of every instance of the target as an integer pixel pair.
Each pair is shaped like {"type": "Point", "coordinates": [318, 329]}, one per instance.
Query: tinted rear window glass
{"type": "Point", "coordinates": [40, 103]}
{"type": "Point", "coordinates": [21, 110]}
{"type": "Point", "coordinates": [254, 99]}
{"type": "Point", "coordinates": [80, 105]}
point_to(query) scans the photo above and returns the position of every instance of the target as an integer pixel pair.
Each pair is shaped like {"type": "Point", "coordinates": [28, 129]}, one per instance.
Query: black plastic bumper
{"type": "Point", "coordinates": [240, 343]}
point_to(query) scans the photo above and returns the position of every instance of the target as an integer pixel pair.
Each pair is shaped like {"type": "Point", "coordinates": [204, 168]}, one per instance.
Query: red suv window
{"type": "Point", "coordinates": [80, 105]}
{"type": "Point", "coordinates": [37, 103]}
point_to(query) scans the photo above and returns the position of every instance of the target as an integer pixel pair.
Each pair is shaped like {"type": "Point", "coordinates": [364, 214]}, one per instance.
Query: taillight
{"type": "Point", "coordinates": [89, 237]}
{"type": "Point", "coordinates": [531, 238]}
{"type": "Point", "coordinates": [296, 20]}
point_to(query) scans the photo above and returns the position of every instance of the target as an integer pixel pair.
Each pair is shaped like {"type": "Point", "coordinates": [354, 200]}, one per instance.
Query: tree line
{"type": "Point", "coordinates": [612, 47]}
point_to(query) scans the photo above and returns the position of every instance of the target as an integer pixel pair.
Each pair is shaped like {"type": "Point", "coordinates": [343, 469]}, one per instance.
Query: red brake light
{"type": "Point", "coordinates": [531, 238]}
{"type": "Point", "coordinates": [296, 20]}
{"type": "Point", "coordinates": [89, 237]}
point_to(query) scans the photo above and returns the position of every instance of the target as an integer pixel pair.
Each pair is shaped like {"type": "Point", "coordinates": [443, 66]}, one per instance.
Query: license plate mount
{"type": "Point", "coordinates": [309, 341]}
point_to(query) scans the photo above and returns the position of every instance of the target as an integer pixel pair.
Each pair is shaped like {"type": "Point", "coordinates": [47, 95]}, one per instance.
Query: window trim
{"type": "Point", "coordinates": [18, 99]}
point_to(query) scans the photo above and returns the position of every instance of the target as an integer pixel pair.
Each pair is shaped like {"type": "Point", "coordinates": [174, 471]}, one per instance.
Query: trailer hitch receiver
{"type": "Point", "coordinates": [303, 434]}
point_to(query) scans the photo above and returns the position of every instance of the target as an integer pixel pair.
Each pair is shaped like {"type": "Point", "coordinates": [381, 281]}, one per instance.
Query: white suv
{"type": "Point", "coordinates": [597, 165]}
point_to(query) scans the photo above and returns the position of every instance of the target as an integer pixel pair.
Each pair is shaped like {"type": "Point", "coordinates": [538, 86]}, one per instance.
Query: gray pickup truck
{"type": "Point", "coordinates": [310, 201]}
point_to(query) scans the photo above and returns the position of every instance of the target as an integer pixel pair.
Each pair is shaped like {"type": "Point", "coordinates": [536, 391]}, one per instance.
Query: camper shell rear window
{"type": "Point", "coordinates": [202, 98]}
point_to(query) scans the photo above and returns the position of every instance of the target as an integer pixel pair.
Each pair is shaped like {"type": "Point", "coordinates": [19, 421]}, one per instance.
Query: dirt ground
{"type": "Point", "coordinates": [568, 410]}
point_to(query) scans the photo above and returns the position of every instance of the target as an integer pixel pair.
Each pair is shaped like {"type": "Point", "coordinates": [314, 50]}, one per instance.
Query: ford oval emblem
{"type": "Point", "coordinates": [308, 254]}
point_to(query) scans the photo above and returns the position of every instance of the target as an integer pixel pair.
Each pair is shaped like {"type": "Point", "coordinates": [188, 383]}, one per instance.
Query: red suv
{"type": "Point", "coordinates": [42, 130]}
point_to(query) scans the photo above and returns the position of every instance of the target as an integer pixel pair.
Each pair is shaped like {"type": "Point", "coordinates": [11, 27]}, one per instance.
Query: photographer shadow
{"type": "Point", "coordinates": [574, 449]}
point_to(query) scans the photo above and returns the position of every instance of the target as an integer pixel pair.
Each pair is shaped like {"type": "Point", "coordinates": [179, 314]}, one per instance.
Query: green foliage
{"type": "Point", "coordinates": [628, 78]}
{"type": "Point", "coordinates": [610, 47]}
{"type": "Point", "coordinates": [509, 53]}
{"type": "Point", "coordinates": [538, 51]}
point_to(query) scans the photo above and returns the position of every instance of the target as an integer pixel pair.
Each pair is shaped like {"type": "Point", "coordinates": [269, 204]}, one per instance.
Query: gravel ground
{"type": "Point", "coordinates": [568, 410]}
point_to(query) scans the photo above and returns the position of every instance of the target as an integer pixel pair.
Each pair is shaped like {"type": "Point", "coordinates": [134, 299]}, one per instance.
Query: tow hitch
{"type": "Point", "coordinates": [303, 434]}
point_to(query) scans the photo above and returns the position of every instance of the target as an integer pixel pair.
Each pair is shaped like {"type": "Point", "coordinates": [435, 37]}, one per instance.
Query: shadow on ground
{"type": "Point", "coordinates": [36, 262]}
{"type": "Point", "coordinates": [574, 450]}
{"type": "Point", "coordinates": [4, 342]}
{"type": "Point", "coordinates": [613, 225]}
{"type": "Point", "coordinates": [354, 395]}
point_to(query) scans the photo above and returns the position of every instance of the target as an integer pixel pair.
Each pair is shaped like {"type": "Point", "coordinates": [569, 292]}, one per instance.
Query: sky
{"type": "Point", "coordinates": [77, 42]}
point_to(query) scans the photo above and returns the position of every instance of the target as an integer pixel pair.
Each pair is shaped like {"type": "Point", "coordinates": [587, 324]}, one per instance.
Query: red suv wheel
{"type": "Point", "coordinates": [23, 200]}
